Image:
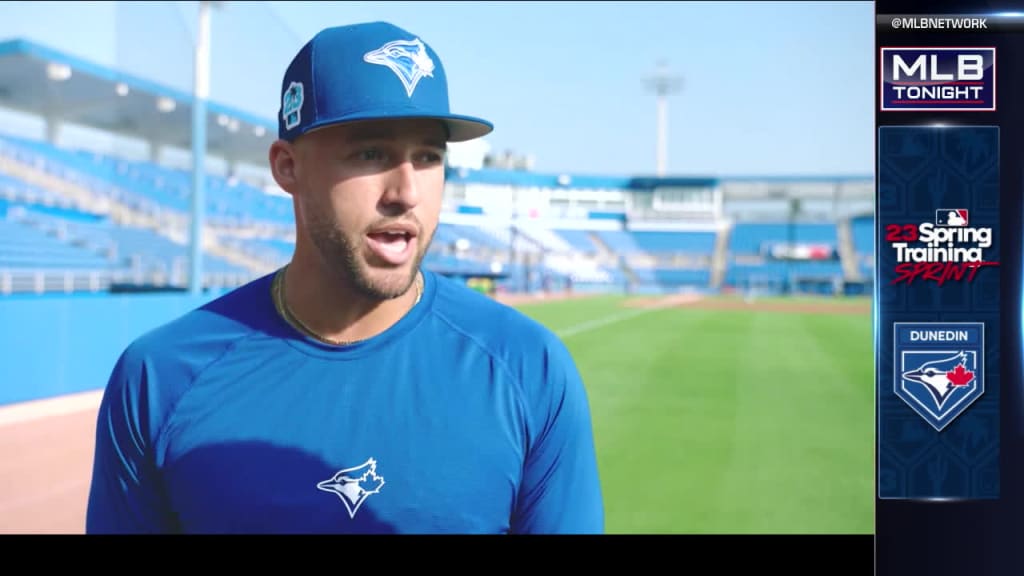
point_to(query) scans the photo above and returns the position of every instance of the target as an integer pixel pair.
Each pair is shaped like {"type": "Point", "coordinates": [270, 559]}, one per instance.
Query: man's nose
{"type": "Point", "coordinates": [401, 185]}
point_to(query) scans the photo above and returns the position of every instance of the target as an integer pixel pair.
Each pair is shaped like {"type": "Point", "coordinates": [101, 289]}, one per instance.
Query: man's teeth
{"type": "Point", "coordinates": [397, 245]}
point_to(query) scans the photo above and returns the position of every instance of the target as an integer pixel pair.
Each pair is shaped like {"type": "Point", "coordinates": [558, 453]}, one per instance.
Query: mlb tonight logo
{"type": "Point", "coordinates": [940, 368]}
{"type": "Point", "coordinates": [938, 79]}
{"type": "Point", "coordinates": [958, 217]}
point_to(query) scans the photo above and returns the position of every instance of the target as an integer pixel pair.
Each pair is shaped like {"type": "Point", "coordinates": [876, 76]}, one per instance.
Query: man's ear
{"type": "Point", "coordinates": [282, 165]}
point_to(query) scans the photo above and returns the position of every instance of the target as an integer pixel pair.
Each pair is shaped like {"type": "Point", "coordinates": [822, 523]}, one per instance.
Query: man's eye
{"type": "Point", "coordinates": [370, 155]}
{"type": "Point", "coordinates": [430, 158]}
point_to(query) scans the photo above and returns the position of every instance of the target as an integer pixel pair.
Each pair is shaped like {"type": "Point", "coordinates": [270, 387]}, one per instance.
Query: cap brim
{"type": "Point", "coordinates": [460, 128]}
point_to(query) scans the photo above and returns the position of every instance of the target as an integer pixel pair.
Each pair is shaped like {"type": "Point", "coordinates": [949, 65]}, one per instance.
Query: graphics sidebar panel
{"type": "Point", "coordinates": [948, 212]}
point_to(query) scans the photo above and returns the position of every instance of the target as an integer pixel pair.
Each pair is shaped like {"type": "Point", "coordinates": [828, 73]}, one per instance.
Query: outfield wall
{"type": "Point", "coordinates": [56, 345]}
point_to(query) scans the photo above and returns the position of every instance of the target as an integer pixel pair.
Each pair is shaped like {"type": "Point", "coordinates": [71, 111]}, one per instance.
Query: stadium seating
{"type": "Point", "coordinates": [24, 247]}
{"type": "Point", "coordinates": [750, 266]}
{"type": "Point", "coordinates": [63, 228]}
{"type": "Point", "coordinates": [15, 190]}
{"type": "Point", "coordinates": [448, 234]}
{"type": "Point", "coordinates": [619, 241]}
{"type": "Point", "coordinates": [578, 240]}
{"type": "Point", "coordinates": [749, 237]}
{"type": "Point", "coordinates": [40, 245]}
{"type": "Point", "coordinates": [275, 252]}
{"type": "Point", "coordinates": [147, 186]}
{"type": "Point", "coordinates": [675, 242]}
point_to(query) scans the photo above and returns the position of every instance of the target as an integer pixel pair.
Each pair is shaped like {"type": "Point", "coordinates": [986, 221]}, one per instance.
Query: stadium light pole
{"type": "Point", "coordinates": [201, 91]}
{"type": "Point", "coordinates": [795, 208]}
{"type": "Point", "coordinates": [663, 84]}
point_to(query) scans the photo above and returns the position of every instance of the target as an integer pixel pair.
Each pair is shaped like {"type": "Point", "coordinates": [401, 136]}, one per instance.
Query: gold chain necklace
{"type": "Point", "coordinates": [281, 303]}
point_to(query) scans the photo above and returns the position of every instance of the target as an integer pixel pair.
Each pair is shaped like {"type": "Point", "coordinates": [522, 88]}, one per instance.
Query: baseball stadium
{"type": "Point", "coordinates": [722, 325]}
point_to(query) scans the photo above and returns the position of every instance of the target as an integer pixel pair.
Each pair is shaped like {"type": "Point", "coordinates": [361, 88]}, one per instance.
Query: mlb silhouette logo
{"type": "Point", "coordinates": [940, 368]}
{"type": "Point", "coordinates": [951, 217]}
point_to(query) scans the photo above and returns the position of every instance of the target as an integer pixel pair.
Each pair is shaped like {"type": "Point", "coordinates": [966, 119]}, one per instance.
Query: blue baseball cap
{"type": "Point", "coordinates": [369, 71]}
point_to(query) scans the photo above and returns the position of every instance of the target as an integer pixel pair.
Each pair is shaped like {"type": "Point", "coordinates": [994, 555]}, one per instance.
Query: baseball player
{"type": "Point", "coordinates": [351, 391]}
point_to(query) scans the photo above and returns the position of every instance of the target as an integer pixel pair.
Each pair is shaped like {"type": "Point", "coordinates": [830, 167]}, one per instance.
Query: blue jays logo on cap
{"type": "Point", "coordinates": [408, 59]}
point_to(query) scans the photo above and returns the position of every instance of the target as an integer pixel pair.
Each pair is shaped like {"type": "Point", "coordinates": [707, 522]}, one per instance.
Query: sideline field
{"type": "Point", "coordinates": [727, 417]}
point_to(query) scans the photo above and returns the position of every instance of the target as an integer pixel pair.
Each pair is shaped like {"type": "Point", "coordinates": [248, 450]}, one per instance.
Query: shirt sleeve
{"type": "Point", "coordinates": [561, 490]}
{"type": "Point", "coordinates": [123, 495]}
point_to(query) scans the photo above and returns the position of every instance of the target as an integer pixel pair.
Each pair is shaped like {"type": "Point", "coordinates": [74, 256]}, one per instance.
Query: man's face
{"type": "Point", "coordinates": [368, 195]}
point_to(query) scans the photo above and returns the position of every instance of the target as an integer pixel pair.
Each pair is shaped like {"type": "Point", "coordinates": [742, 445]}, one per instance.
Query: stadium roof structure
{"type": "Point", "coordinates": [754, 186]}
{"type": "Point", "coordinates": [50, 84]}
{"type": "Point", "coordinates": [44, 82]}
{"type": "Point", "coordinates": [547, 180]}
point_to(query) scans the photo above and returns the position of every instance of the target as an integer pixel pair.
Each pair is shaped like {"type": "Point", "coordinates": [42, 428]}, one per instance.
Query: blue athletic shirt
{"type": "Point", "coordinates": [465, 416]}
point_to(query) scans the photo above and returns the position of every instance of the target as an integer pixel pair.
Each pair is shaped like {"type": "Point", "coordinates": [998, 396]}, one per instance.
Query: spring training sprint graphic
{"type": "Point", "coordinates": [948, 249]}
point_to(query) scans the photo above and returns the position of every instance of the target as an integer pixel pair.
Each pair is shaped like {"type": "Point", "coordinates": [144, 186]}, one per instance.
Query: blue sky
{"type": "Point", "coordinates": [769, 88]}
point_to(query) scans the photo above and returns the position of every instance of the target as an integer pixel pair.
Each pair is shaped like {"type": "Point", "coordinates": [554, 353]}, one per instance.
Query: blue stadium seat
{"type": "Point", "coordinates": [147, 186]}
{"type": "Point", "coordinates": [675, 242]}
{"type": "Point", "coordinates": [578, 239]}
{"type": "Point", "coordinates": [658, 242]}
{"type": "Point", "coordinates": [748, 237]}
{"type": "Point", "coordinates": [24, 247]}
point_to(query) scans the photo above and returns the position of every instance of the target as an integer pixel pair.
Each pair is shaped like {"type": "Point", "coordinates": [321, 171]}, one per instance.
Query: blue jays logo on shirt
{"type": "Point", "coordinates": [408, 59]}
{"type": "Point", "coordinates": [354, 485]}
{"type": "Point", "coordinates": [940, 368]}
{"type": "Point", "coordinates": [291, 105]}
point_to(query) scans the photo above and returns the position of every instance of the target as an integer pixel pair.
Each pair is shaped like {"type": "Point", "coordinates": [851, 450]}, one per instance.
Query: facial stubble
{"type": "Point", "coordinates": [343, 254]}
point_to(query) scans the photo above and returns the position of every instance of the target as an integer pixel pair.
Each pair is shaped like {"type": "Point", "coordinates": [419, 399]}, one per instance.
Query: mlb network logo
{"type": "Point", "coordinates": [952, 217]}
{"type": "Point", "coordinates": [940, 368]}
{"type": "Point", "coordinates": [938, 79]}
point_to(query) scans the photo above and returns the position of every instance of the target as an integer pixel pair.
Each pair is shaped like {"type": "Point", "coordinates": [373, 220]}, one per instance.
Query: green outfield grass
{"type": "Point", "coordinates": [727, 421]}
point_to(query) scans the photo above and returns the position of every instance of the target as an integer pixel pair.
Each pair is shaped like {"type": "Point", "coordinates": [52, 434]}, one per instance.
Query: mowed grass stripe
{"type": "Point", "coordinates": [846, 345]}
{"type": "Point", "coordinates": [729, 422]}
{"type": "Point", "coordinates": [564, 314]}
{"type": "Point", "coordinates": [663, 406]}
{"type": "Point", "coordinates": [802, 457]}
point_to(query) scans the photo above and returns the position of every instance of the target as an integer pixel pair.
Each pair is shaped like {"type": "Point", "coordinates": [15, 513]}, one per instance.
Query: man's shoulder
{"type": "Point", "coordinates": [485, 318]}
{"type": "Point", "coordinates": [533, 356]}
{"type": "Point", "coordinates": [530, 351]}
{"type": "Point", "coordinates": [206, 331]}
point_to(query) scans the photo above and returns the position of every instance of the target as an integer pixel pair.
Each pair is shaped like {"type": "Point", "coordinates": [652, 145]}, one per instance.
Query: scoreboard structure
{"type": "Point", "coordinates": [947, 320]}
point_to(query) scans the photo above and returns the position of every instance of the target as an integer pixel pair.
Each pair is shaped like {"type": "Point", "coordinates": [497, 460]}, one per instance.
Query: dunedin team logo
{"type": "Point", "coordinates": [947, 249]}
{"type": "Point", "coordinates": [939, 368]}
